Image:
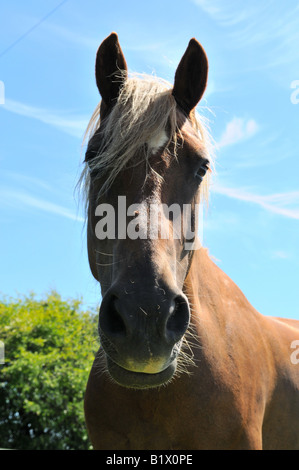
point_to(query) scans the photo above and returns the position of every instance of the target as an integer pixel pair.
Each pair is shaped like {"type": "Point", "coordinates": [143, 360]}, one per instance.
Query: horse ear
{"type": "Point", "coordinates": [191, 77]}
{"type": "Point", "coordinates": [110, 61]}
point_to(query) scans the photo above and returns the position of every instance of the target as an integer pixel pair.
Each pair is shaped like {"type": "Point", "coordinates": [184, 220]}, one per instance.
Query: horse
{"type": "Point", "coordinates": [185, 361]}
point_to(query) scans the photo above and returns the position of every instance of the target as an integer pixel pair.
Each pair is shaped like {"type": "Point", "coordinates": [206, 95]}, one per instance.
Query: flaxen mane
{"type": "Point", "coordinates": [144, 109]}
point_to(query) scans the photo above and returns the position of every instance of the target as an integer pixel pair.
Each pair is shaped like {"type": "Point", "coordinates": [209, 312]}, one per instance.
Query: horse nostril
{"type": "Point", "coordinates": [178, 319]}
{"type": "Point", "coordinates": [111, 321]}
{"type": "Point", "coordinates": [119, 326]}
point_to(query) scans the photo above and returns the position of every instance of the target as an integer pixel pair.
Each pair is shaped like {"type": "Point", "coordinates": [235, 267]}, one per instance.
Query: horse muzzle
{"type": "Point", "coordinates": [141, 337]}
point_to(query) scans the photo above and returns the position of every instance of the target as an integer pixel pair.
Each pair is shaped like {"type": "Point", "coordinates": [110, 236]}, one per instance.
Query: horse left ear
{"type": "Point", "coordinates": [191, 77]}
{"type": "Point", "coordinates": [110, 61]}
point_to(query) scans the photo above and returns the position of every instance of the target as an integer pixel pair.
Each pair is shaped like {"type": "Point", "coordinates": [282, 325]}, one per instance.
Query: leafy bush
{"type": "Point", "coordinates": [49, 349]}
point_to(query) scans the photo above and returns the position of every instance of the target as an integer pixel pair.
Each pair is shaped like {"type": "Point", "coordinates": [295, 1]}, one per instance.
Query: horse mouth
{"type": "Point", "coordinates": [140, 380]}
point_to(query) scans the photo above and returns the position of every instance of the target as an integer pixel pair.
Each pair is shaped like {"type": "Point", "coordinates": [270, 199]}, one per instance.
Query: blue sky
{"type": "Point", "coordinates": [47, 54]}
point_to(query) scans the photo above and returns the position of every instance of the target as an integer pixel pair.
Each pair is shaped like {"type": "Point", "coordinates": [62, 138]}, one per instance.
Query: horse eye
{"type": "Point", "coordinates": [201, 171]}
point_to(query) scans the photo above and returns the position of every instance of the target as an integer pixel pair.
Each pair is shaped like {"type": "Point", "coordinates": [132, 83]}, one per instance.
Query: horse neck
{"type": "Point", "coordinates": [214, 298]}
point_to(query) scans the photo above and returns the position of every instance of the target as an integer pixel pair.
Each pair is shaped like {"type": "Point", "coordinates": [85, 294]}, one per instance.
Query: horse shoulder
{"type": "Point", "coordinates": [280, 428]}
{"type": "Point", "coordinates": [249, 354]}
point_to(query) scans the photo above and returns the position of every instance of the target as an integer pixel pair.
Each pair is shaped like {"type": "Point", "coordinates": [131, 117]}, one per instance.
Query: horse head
{"type": "Point", "coordinates": [147, 151]}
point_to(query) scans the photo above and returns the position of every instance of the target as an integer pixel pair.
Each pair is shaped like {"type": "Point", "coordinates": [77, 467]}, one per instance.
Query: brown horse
{"type": "Point", "coordinates": [185, 361]}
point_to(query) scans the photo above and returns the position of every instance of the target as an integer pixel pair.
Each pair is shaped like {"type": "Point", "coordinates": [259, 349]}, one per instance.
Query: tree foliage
{"type": "Point", "coordinates": [49, 349]}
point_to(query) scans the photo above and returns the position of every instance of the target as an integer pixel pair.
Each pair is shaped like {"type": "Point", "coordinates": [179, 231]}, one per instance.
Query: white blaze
{"type": "Point", "coordinates": [157, 141]}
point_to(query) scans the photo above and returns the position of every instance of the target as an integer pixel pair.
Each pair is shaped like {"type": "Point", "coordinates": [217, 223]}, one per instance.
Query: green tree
{"type": "Point", "coordinates": [49, 349]}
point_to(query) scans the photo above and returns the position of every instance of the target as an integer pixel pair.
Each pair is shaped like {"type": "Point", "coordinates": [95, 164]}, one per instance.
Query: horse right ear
{"type": "Point", "coordinates": [110, 61]}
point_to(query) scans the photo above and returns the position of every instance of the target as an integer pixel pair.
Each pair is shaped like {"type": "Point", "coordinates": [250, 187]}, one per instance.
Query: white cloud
{"type": "Point", "coordinates": [21, 199]}
{"type": "Point", "coordinates": [236, 130]}
{"type": "Point", "coordinates": [266, 23]}
{"type": "Point", "coordinates": [280, 254]}
{"type": "Point", "coordinates": [70, 124]}
{"type": "Point", "coordinates": [83, 40]}
{"type": "Point", "coordinates": [285, 204]}
{"type": "Point", "coordinates": [229, 13]}
{"type": "Point", "coordinates": [208, 6]}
